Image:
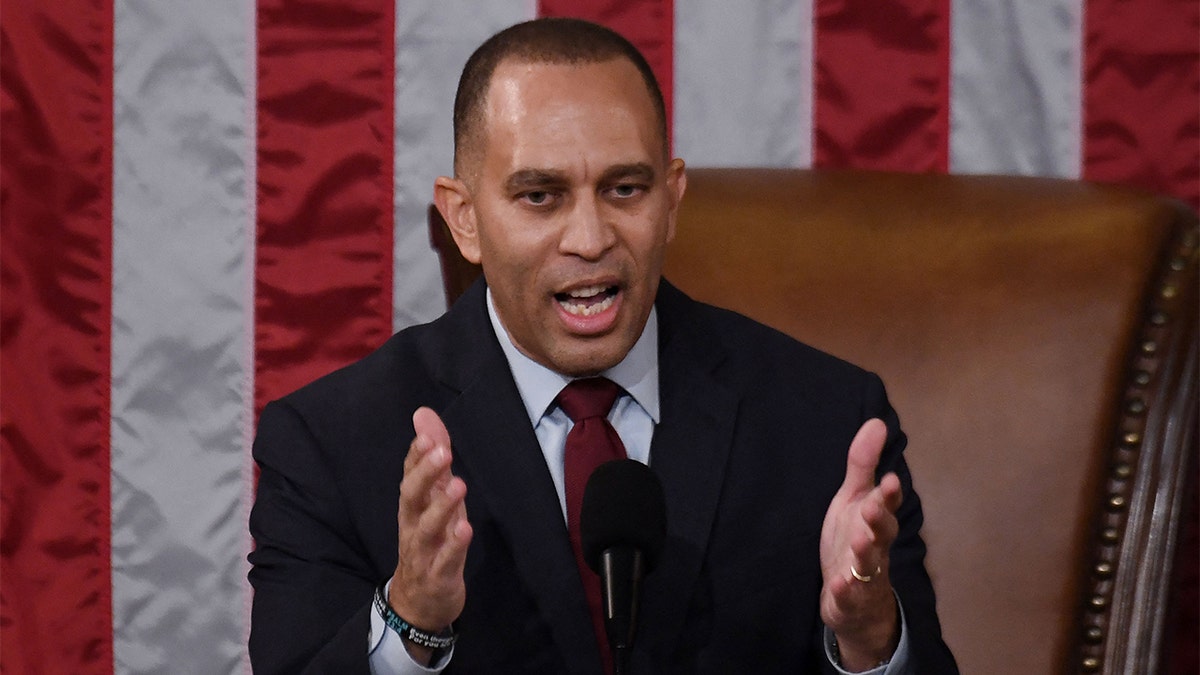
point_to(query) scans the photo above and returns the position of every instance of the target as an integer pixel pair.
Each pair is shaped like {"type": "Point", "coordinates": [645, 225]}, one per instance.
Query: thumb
{"type": "Point", "coordinates": [863, 457]}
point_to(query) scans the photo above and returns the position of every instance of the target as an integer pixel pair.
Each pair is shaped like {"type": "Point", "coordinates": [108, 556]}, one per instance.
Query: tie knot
{"type": "Point", "coordinates": [591, 397]}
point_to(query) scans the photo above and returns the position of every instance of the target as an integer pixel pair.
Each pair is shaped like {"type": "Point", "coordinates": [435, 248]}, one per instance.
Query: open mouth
{"type": "Point", "coordinates": [587, 301]}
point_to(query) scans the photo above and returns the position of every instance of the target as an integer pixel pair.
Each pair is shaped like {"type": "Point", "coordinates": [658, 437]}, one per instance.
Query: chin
{"type": "Point", "coordinates": [590, 361]}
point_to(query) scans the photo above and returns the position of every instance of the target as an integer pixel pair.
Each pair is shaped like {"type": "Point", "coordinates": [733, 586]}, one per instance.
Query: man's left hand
{"type": "Point", "coordinates": [857, 602]}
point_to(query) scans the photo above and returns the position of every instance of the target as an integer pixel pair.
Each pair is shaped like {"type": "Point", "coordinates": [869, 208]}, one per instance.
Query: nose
{"type": "Point", "coordinates": [587, 231]}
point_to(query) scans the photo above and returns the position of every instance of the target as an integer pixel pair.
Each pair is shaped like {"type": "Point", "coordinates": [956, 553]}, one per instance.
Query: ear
{"type": "Point", "coordinates": [454, 201]}
{"type": "Point", "coordinates": [676, 186]}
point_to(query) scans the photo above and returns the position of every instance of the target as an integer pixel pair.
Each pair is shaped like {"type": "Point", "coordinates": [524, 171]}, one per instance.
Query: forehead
{"type": "Point", "coordinates": [541, 111]}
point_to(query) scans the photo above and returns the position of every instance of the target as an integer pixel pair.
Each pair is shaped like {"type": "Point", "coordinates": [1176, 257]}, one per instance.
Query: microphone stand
{"type": "Point", "coordinates": [622, 569]}
{"type": "Point", "coordinates": [620, 660]}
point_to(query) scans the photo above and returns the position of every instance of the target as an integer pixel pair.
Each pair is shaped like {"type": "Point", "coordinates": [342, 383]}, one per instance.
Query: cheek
{"type": "Point", "coordinates": [512, 240]}
{"type": "Point", "coordinates": [512, 272]}
{"type": "Point", "coordinates": [648, 245]}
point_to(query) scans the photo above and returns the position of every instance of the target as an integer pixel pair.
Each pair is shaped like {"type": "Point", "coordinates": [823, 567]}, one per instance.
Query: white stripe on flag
{"type": "Point", "coordinates": [433, 40]}
{"type": "Point", "coordinates": [743, 83]}
{"type": "Point", "coordinates": [1016, 87]}
{"type": "Point", "coordinates": [182, 241]}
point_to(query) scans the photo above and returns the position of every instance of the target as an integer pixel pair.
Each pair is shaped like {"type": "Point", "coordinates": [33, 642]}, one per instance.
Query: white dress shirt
{"type": "Point", "coordinates": [634, 416]}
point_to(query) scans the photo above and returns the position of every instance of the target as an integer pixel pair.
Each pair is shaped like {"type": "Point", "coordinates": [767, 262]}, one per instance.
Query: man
{"type": "Point", "coordinates": [783, 554]}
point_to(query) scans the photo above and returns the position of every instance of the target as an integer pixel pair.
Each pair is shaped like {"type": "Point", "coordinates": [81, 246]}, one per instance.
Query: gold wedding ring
{"type": "Point", "coordinates": [865, 578]}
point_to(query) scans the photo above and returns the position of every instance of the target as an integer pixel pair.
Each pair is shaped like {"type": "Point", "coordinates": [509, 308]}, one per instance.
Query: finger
{"type": "Point", "coordinates": [863, 457]}
{"type": "Point", "coordinates": [427, 423]}
{"type": "Point", "coordinates": [428, 473]}
{"type": "Point", "coordinates": [430, 433]}
{"type": "Point", "coordinates": [864, 552]}
{"type": "Point", "coordinates": [451, 559]}
{"type": "Point", "coordinates": [880, 522]}
{"type": "Point", "coordinates": [893, 495]}
{"type": "Point", "coordinates": [422, 529]}
{"type": "Point", "coordinates": [882, 501]}
{"type": "Point", "coordinates": [444, 507]}
{"type": "Point", "coordinates": [872, 535]}
{"type": "Point", "coordinates": [420, 446]}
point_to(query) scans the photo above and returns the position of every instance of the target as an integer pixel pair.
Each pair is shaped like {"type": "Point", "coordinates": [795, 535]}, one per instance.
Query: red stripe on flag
{"type": "Point", "coordinates": [882, 84]}
{"type": "Point", "coordinates": [56, 263]}
{"type": "Point", "coordinates": [648, 24]}
{"type": "Point", "coordinates": [323, 286]}
{"type": "Point", "coordinates": [1142, 95]}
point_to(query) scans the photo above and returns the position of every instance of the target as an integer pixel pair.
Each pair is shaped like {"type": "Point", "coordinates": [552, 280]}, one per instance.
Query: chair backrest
{"type": "Point", "coordinates": [1039, 340]}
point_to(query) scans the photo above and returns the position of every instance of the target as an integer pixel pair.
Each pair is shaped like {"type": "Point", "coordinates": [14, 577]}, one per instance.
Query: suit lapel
{"type": "Point", "coordinates": [496, 447]}
{"type": "Point", "coordinates": [689, 452]}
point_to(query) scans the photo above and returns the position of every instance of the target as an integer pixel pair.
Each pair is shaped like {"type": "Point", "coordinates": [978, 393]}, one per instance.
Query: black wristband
{"type": "Point", "coordinates": [417, 636]}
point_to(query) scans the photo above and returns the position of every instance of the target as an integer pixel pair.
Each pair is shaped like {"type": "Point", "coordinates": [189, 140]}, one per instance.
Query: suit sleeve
{"type": "Point", "coordinates": [312, 580]}
{"type": "Point", "coordinates": [927, 653]}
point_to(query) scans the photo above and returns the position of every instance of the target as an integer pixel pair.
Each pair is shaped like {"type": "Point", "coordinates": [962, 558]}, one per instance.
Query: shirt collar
{"type": "Point", "coordinates": [538, 385]}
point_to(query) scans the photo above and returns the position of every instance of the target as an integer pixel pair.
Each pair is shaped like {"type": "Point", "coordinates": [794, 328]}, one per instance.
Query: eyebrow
{"type": "Point", "coordinates": [639, 171]}
{"type": "Point", "coordinates": [524, 180]}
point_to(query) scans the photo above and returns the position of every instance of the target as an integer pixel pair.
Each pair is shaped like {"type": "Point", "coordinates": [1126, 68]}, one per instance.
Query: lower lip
{"type": "Point", "coordinates": [594, 324]}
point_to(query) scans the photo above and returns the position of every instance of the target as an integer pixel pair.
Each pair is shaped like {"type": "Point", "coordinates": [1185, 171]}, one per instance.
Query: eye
{"type": "Point", "coordinates": [537, 197]}
{"type": "Point", "coordinates": [626, 190]}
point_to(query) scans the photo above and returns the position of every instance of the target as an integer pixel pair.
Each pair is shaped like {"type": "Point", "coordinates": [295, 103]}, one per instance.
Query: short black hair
{"type": "Point", "coordinates": [549, 41]}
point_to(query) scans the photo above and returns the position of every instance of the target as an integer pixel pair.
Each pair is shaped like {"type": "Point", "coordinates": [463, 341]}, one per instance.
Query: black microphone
{"type": "Point", "coordinates": [622, 525]}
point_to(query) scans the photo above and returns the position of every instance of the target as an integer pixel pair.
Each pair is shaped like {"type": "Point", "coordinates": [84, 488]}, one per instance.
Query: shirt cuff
{"type": "Point", "coordinates": [387, 654]}
{"type": "Point", "coordinates": [895, 666]}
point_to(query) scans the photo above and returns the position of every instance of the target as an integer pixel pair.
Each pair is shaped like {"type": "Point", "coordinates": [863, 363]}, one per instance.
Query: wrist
{"type": "Point", "coordinates": [869, 648]}
{"type": "Point", "coordinates": [860, 662]}
{"type": "Point", "coordinates": [424, 645]}
{"type": "Point", "coordinates": [412, 607]}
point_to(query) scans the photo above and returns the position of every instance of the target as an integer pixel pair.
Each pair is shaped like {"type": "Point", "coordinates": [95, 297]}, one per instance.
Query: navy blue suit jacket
{"type": "Point", "coordinates": [750, 451]}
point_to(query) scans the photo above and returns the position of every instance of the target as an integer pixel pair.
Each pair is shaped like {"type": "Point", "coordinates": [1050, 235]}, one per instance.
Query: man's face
{"type": "Point", "coordinates": [568, 205]}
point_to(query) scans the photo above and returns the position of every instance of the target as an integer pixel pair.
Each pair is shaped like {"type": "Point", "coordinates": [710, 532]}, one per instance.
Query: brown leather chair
{"type": "Point", "coordinates": [1039, 340]}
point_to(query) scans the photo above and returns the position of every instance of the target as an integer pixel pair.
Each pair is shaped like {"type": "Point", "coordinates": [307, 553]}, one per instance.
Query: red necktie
{"type": "Point", "coordinates": [590, 443]}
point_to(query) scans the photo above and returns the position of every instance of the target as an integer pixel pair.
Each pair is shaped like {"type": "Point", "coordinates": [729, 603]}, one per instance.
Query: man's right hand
{"type": "Point", "coordinates": [427, 588]}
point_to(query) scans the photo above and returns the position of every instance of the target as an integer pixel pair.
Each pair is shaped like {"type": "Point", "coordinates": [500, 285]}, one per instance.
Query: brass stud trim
{"type": "Point", "coordinates": [1152, 340]}
{"type": "Point", "coordinates": [1136, 406]}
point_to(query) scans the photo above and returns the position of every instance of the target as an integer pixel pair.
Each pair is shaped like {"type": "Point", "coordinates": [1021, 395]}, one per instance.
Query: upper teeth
{"type": "Point", "coordinates": [582, 309]}
{"type": "Point", "coordinates": [586, 292]}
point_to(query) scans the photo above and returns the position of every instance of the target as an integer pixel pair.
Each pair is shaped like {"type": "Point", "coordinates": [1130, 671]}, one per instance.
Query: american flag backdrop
{"type": "Point", "coordinates": [206, 204]}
